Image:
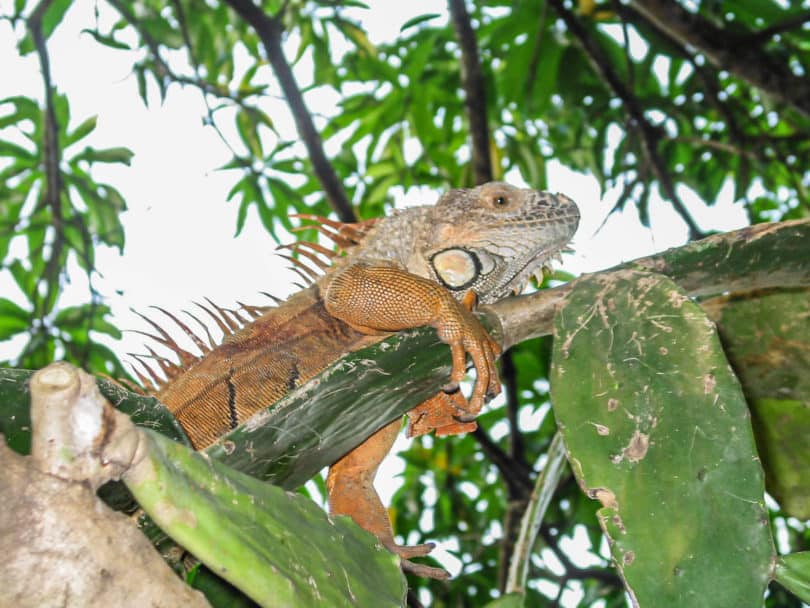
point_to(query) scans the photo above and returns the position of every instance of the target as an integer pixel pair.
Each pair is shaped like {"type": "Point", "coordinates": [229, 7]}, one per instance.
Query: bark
{"type": "Point", "coordinates": [269, 30]}
{"type": "Point", "coordinates": [61, 545]}
{"type": "Point", "coordinates": [743, 58]}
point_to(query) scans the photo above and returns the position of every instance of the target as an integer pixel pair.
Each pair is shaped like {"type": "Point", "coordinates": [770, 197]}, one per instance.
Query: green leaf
{"type": "Point", "coordinates": [510, 600]}
{"type": "Point", "coordinates": [25, 108]}
{"type": "Point", "coordinates": [109, 155]}
{"type": "Point", "coordinates": [357, 35]}
{"type": "Point", "coordinates": [80, 132]}
{"type": "Point", "coordinates": [10, 149]}
{"type": "Point", "coordinates": [246, 126]}
{"type": "Point", "coordinates": [109, 41]}
{"type": "Point", "coordinates": [413, 21]}
{"type": "Point", "coordinates": [79, 320]}
{"type": "Point", "coordinates": [53, 16]}
{"type": "Point", "coordinates": [13, 319]}
{"type": "Point", "coordinates": [767, 339]}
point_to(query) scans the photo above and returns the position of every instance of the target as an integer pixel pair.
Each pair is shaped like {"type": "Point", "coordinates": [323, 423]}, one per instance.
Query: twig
{"type": "Point", "coordinates": [542, 493]}
{"type": "Point", "coordinates": [515, 474]}
{"type": "Point", "coordinates": [163, 69]}
{"type": "Point", "coordinates": [474, 91]}
{"type": "Point", "coordinates": [628, 60]}
{"type": "Point", "coordinates": [534, 62]}
{"type": "Point", "coordinates": [765, 34]}
{"type": "Point", "coordinates": [516, 498]}
{"type": "Point", "coordinates": [53, 178]}
{"type": "Point", "coordinates": [412, 601]}
{"type": "Point", "coordinates": [269, 30]}
{"type": "Point", "coordinates": [509, 379]}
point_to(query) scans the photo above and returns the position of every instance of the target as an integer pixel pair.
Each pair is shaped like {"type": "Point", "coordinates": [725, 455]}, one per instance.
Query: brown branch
{"type": "Point", "coordinates": [603, 575]}
{"type": "Point", "coordinates": [516, 475]}
{"type": "Point", "coordinates": [649, 133]}
{"type": "Point", "coordinates": [52, 196]}
{"type": "Point", "coordinates": [269, 30]}
{"type": "Point", "coordinates": [513, 468]}
{"type": "Point", "coordinates": [412, 600]}
{"type": "Point", "coordinates": [516, 498]}
{"type": "Point", "coordinates": [749, 62]}
{"type": "Point", "coordinates": [765, 34]}
{"type": "Point", "coordinates": [509, 379]}
{"type": "Point", "coordinates": [475, 99]}
{"type": "Point", "coordinates": [534, 62]}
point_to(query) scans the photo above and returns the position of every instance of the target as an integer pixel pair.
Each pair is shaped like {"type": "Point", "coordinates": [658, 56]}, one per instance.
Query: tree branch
{"type": "Point", "coordinates": [746, 61]}
{"type": "Point", "coordinates": [52, 196]}
{"type": "Point", "coordinates": [649, 134]}
{"type": "Point", "coordinates": [517, 476]}
{"type": "Point", "coordinates": [269, 30]}
{"type": "Point", "coordinates": [765, 34]}
{"type": "Point", "coordinates": [756, 257]}
{"type": "Point", "coordinates": [534, 62]}
{"type": "Point", "coordinates": [475, 98]}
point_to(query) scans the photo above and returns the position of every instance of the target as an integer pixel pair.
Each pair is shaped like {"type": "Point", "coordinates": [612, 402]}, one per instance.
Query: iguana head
{"type": "Point", "coordinates": [492, 238]}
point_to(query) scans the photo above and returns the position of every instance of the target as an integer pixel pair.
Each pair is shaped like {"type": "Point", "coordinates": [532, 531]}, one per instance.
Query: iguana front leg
{"type": "Point", "coordinates": [383, 298]}
{"type": "Point", "coordinates": [377, 299]}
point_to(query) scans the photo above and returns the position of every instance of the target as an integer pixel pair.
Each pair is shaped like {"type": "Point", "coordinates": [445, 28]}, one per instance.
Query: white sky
{"type": "Point", "coordinates": [179, 231]}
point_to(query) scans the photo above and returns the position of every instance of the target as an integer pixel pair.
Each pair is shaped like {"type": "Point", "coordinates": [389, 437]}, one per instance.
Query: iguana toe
{"type": "Point", "coordinates": [440, 574]}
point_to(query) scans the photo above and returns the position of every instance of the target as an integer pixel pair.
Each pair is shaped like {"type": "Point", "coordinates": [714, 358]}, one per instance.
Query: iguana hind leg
{"type": "Point", "coordinates": [350, 485]}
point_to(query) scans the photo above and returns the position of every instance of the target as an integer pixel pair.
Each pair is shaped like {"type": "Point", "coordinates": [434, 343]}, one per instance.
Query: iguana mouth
{"type": "Point", "coordinates": [534, 267]}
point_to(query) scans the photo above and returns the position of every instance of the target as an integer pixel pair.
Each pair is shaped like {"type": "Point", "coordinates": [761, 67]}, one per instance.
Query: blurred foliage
{"type": "Point", "coordinates": [670, 121]}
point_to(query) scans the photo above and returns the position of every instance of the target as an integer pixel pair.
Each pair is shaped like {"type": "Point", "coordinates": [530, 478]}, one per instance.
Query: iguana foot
{"type": "Point", "coordinates": [441, 413]}
{"type": "Point", "coordinates": [458, 327]}
{"type": "Point", "coordinates": [408, 551]}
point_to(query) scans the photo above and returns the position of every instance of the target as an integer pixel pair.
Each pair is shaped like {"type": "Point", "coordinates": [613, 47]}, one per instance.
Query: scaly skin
{"type": "Point", "coordinates": [420, 266]}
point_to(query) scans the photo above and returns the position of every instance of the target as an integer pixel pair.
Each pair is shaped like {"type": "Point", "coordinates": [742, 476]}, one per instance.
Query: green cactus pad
{"type": "Point", "coordinates": [793, 573]}
{"type": "Point", "coordinates": [657, 429]}
{"type": "Point", "coordinates": [767, 339]}
{"type": "Point", "coordinates": [279, 548]}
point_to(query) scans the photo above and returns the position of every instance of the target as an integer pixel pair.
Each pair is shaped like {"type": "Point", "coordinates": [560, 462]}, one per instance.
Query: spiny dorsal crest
{"type": "Point", "coordinates": [228, 320]}
{"type": "Point", "coordinates": [155, 371]}
{"type": "Point", "coordinates": [345, 236]}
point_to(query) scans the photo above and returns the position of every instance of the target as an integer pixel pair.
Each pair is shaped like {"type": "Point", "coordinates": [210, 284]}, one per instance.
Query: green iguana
{"type": "Point", "coordinates": [419, 266]}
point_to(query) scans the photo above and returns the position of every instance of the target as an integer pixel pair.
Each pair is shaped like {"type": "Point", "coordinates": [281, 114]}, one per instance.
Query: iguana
{"type": "Point", "coordinates": [419, 266]}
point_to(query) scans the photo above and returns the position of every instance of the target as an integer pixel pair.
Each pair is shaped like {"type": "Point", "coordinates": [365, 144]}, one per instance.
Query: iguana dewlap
{"type": "Point", "coordinates": [419, 266]}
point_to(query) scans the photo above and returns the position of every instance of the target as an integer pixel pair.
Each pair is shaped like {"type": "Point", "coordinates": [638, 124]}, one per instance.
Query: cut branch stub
{"type": "Point", "coordinates": [657, 429]}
